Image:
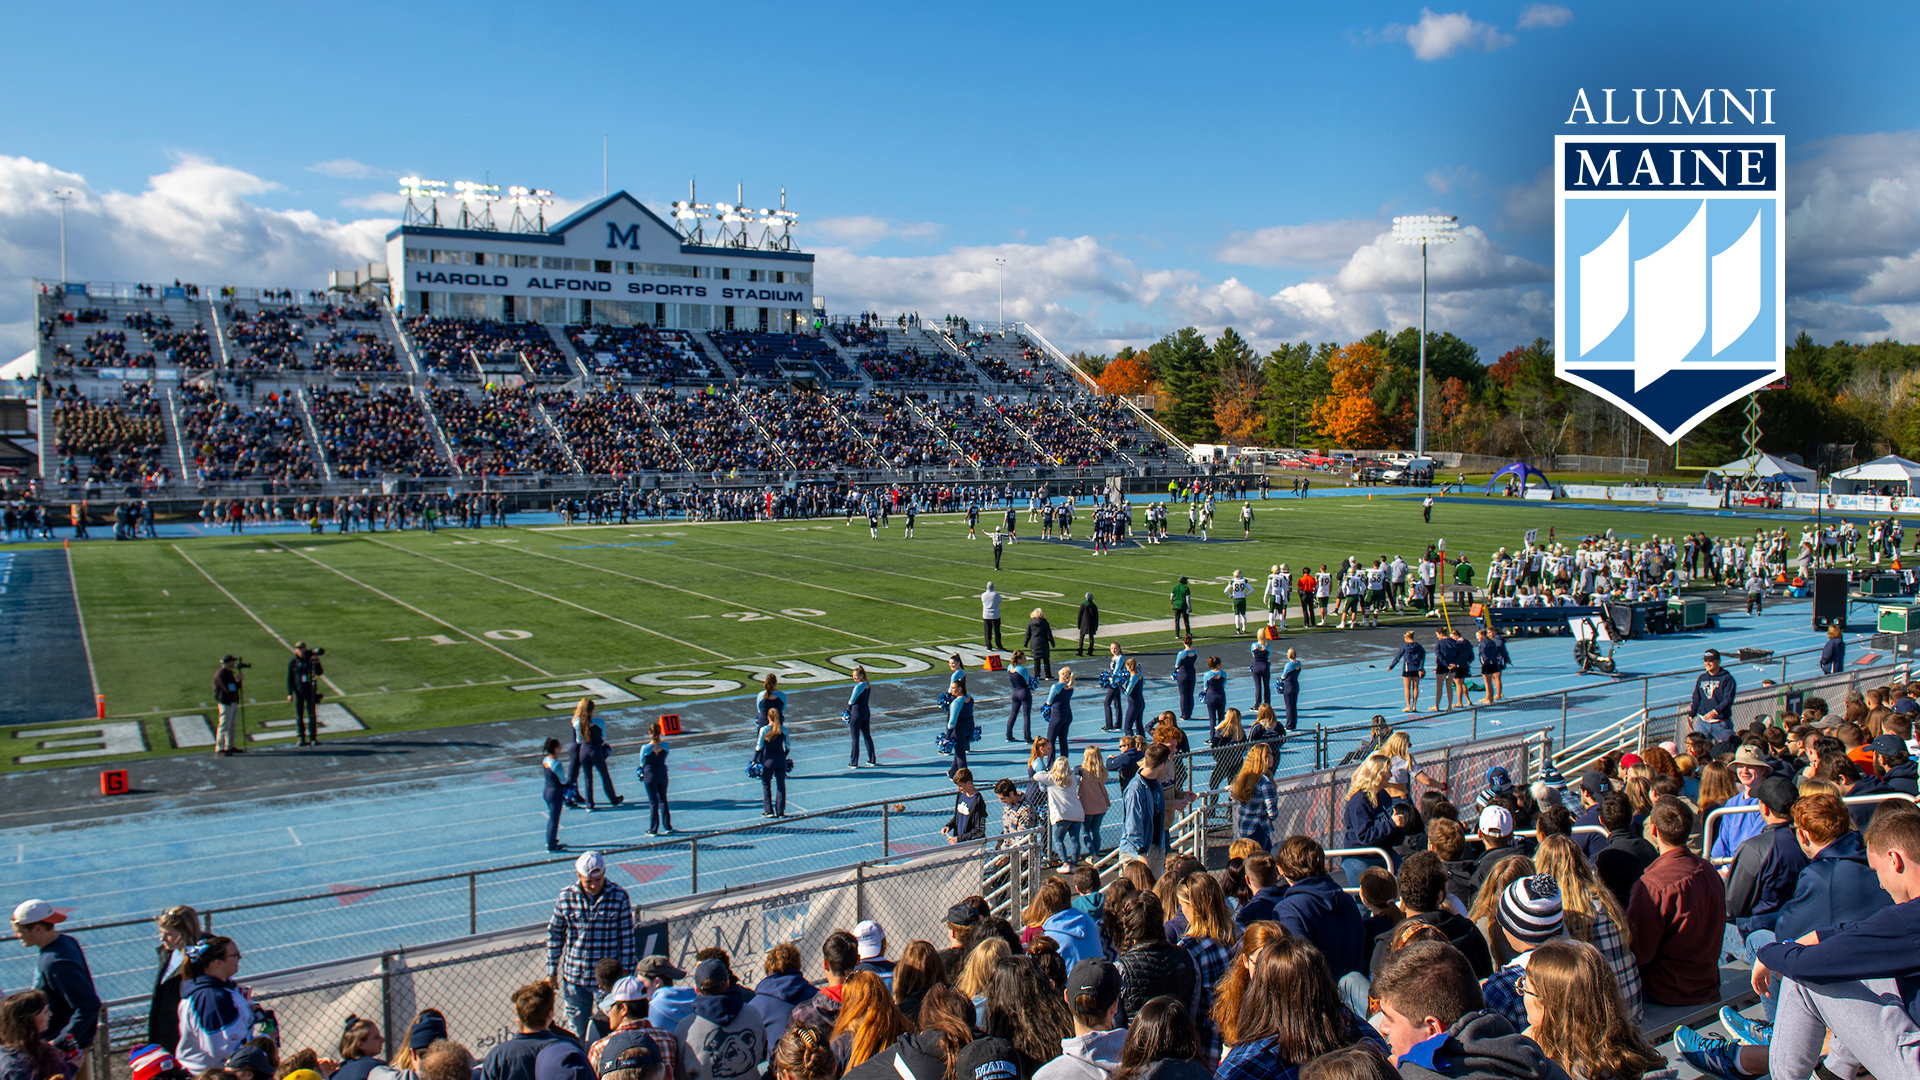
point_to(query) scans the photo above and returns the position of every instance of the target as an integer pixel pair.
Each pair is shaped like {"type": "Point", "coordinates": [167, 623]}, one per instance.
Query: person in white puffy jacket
{"type": "Point", "coordinates": [215, 1014]}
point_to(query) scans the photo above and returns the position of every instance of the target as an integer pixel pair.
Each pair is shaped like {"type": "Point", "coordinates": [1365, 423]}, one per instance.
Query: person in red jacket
{"type": "Point", "coordinates": [1678, 914]}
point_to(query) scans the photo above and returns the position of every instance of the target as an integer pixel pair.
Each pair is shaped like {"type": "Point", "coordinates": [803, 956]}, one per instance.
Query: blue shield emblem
{"type": "Point", "coordinates": [1670, 271]}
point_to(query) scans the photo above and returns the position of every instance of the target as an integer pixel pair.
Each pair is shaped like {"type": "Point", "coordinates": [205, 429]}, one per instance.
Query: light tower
{"type": "Point", "coordinates": [1424, 229]}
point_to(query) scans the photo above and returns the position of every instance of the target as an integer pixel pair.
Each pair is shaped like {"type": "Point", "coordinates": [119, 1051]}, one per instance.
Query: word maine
{"type": "Point", "coordinates": [1655, 106]}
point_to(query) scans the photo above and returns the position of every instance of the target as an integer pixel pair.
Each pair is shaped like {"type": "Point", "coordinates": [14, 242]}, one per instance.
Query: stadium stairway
{"type": "Point", "coordinates": [553, 431]}
{"type": "Point", "coordinates": [1040, 451]}
{"type": "Point", "coordinates": [938, 431]}
{"type": "Point", "coordinates": [765, 435]}
{"type": "Point", "coordinates": [573, 360]}
{"type": "Point", "coordinates": [661, 431]}
{"type": "Point", "coordinates": [846, 357]}
{"type": "Point", "coordinates": [712, 351]}
{"type": "Point", "coordinates": [49, 464]}
{"type": "Point", "coordinates": [173, 432]}
{"type": "Point", "coordinates": [853, 429]}
{"type": "Point", "coordinates": [1132, 462]}
{"type": "Point", "coordinates": [313, 430]}
{"type": "Point", "coordinates": [945, 343]}
{"type": "Point", "coordinates": [437, 429]}
{"type": "Point", "coordinates": [402, 344]}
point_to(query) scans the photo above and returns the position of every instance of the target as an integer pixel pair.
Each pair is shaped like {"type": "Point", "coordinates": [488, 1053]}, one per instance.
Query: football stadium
{"type": "Point", "coordinates": [440, 669]}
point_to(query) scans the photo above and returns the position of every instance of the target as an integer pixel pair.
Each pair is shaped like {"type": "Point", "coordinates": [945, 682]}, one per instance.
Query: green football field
{"type": "Point", "coordinates": [430, 630]}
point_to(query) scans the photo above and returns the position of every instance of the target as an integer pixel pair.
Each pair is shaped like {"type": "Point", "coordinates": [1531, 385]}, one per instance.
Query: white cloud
{"type": "Point", "coordinates": [1454, 176]}
{"type": "Point", "coordinates": [860, 230]}
{"type": "Point", "coordinates": [1440, 35]}
{"type": "Point", "coordinates": [193, 222]}
{"type": "Point", "coordinates": [386, 202]}
{"type": "Point", "coordinates": [1544, 16]}
{"type": "Point", "coordinates": [349, 169]}
{"type": "Point", "coordinates": [1315, 244]}
{"type": "Point", "coordinates": [1471, 262]}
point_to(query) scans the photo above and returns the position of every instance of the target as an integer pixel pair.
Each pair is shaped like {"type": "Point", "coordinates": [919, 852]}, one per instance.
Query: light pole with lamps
{"type": "Point", "coordinates": [1002, 266]}
{"type": "Point", "coordinates": [1424, 229]}
{"type": "Point", "coordinates": [63, 195]}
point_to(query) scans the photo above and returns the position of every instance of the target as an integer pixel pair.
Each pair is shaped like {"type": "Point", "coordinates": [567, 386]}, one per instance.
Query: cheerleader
{"type": "Point", "coordinates": [1059, 713]}
{"type": "Point", "coordinates": [772, 751]}
{"type": "Point", "coordinates": [959, 722]}
{"type": "Point", "coordinates": [1214, 692]}
{"type": "Point", "coordinates": [767, 699]}
{"type": "Point", "coordinates": [1115, 705]}
{"type": "Point", "coordinates": [1183, 675]}
{"type": "Point", "coordinates": [860, 719]}
{"type": "Point", "coordinates": [1259, 668]}
{"type": "Point", "coordinates": [1020, 685]}
{"type": "Point", "coordinates": [1136, 690]}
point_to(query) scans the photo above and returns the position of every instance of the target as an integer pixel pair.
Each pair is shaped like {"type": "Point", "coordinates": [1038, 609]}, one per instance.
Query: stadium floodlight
{"type": "Point", "coordinates": [1424, 229]}
{"type": "Point", "coordinates": [413, 187]}
{"type": "Point", "coordinates": [524, 197]}
{"type": "Point", "coordinates": [782, 219]}
{"type": "Point", "coordinates": [470, 192]}
{"type": "Point", "coordinates": [690, 209]}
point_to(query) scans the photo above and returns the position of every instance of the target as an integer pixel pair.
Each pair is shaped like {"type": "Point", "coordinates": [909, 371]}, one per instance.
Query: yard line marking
{"type": "Point", "coordinates": [435, 618]}
{"type": "Point", "coordinates": [80, 617]}
{"type": "Point", "coordinates": [749, 607]}
{"type": "Point", "coordinates": [247, 611]}
{"type": "Point", "coordinates": [545, 596]}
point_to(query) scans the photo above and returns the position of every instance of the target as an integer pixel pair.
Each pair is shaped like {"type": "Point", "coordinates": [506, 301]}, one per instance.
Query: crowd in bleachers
{"type": "Point", "coordinates": [452, 347]}
{"type": "Point", "coordinates": [759, 354]}
{"type": "Point", "coordinates": [1059, 431]}
{"type": "Point", "coordinates": [124, 437]}
{"type": "Point", "coordinates": [1027, 366]}
{"type": "Point", "coordinates": [371, 433]}
{"type": "Point", "coordinates": [712, 432]}
{"type": "Point", "coordinates": [807, 429]}
{"type": "Point", "coordinates": [979, 430]}
{"type": "Point", "coordinates": [886, 420]}
{"type": "Point", "coordinates": [911, 365]}
{"type": "Point", "coordinates": [258, 439]}
{"type": "Point", "coordinates": [355, 350]}
{"type": "Point", "coordinates": [498, 434]}
{"type": "Point", "coordinates": [640, 352]}
{"type": "Point", "coordinates": [611, 433]}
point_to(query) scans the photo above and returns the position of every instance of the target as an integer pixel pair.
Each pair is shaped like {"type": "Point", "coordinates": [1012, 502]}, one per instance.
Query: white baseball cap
{"type": "Point", "coordinates": [1497, 820]}
{"type": "Point", "coordinates": [590, 864]}
{"type": "Point", "coordinates": [872, 938]}
{"type": "Point", "coordinates": [626, 989]}
{"type": "Point", "coordinates": [36, 911]}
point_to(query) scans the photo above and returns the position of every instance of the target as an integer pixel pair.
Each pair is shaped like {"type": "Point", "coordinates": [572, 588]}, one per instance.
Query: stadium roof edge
{"type": "Point", "coordinates": [557, 234]}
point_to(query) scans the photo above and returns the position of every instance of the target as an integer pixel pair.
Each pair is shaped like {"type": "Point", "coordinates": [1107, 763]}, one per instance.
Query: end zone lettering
{"type": "Point", "coordinates": [443, 277]}
{"type": "Point", "coordinates": [761, 294]}
{"type": "Point", "coordinates": [568, 284]}
{"type": "Point", "coordinates": [644, 287]}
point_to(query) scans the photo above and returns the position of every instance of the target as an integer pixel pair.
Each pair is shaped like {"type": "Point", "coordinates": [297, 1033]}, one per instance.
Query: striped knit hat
{"type": "Point", "coordinates": [1530, 909]}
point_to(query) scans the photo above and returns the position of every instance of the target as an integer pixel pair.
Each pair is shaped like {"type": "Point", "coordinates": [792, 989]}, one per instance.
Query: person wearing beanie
{"type": "Point", "coordinates": [1529, 914]}
{"type": "Point", "coordinates": [153, 1062]}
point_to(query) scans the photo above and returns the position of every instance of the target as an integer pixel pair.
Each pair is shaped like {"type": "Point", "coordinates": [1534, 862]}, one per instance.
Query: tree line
{"type": "Point", "coordinates": [1843, 402]}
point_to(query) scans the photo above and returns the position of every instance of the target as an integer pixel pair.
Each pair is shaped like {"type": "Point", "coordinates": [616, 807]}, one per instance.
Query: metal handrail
{"type": "Point", "coordinates": [1712, 824]}
{"type": "Point", "coordinates": [1592, 740]}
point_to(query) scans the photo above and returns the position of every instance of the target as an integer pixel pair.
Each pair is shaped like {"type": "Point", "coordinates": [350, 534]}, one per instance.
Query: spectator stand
{"type": "Point", "coordinates": [110, 440]}
{"type": "Point", "coordinates": [117, 328]}
{"type": "Point", "coordinates": [486, 350]}
{"type": "Point", "coordinates": [612, 433]}
{"type": "Point", "coordinates": [761, 355]}
{"type": "Point", "coordinates": [911, 357]}
{"type": "Point", "coordinates": [808, 430]}
{"type": "Point", "coordinates": [711, 434]}
{"type": "Point", "coordinates": [371, 434]}
{"type": "Point", "coordinates": [639, 354]}
{"type": "Point", "coordinates": [898, 433]}
{"type": "Point", "coordinates": [264, 439]}
{"type": "Point", "coordinates": [1061, 435]}
{"type": "Point", "coordinates": [501, 433]}
{"type": "Point", "coordinates": [980, 431]}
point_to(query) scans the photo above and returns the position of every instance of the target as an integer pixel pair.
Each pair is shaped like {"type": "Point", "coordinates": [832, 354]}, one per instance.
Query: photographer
{"type": "Point", "coordinates": [226, 693]}
{"type": "Point", "coordinates": [303, 689]}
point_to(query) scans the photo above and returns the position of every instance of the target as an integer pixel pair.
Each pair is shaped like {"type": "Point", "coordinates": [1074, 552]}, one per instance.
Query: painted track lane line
{"type": "Point", "coordinates": [402, 603]}
{"type": "Point", "coordinates": [248, 612]}
{"type": "Point", "coordinates": [546, 596]}
{"type": "Point", "coordinates": [81, 618]}
{"type": "Point", "coordinates": [716, 599]}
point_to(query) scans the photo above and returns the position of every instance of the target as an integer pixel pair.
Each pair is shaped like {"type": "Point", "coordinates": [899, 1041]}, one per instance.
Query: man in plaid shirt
{"type": "Point", "coordinates": [626, 1009]}
{"type": "Point", "coordinates": [592, 921]}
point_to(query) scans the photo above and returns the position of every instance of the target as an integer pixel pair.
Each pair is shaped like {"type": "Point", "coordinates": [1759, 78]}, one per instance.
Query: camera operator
{"type": "Point", "coordinates": [303, 689]}
{"type": "Point", "coordinates": [226, 693]}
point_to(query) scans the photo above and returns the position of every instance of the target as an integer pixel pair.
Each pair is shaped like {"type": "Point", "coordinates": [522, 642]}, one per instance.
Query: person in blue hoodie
{"type": "Point", "coordinates": [1858, 981]}
{"type": "Point", "coordinates": [1412, 661]}
{"type": "Point", "coordinates": [1070, 928]}
{"type": "Point", "coordinates": [1838, 884]}
{"type": "Point", "coordinates": [860, 718]}
{"type": "Point", "coordinates": [959, 723]}
{"type": "Point", "coordinates": [782, 989]}
{"type": "Point", "coordinates": [1764, 871]}
{"type": "Point", "coordinates": [1317, 910]}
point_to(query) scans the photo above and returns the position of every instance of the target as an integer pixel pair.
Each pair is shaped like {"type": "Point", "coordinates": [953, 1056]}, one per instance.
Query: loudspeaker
{"type": "Point", "coordinates": [1829, 599]}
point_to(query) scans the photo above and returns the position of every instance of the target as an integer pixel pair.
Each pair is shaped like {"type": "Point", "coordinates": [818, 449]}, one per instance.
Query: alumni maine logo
{"type": "Point", "coordinates": [1670, 281]}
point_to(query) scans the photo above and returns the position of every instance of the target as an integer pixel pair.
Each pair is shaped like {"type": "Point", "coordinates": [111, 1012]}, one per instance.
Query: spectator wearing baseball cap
{"type": "Point", "coordinates": [1593, 784]}
{"type": "Point", "coordinates": [626, 1006]}
{"type": "Point", "coordinates": [1764, 870]}
{"type": "Point", "coordinates": [252, 1062]}
{"type": "Point", "coordinates": [724, 1038]}
{"type": "Point", "coordinates": [1529, 915]}
{"type": "Point", "coordinates": [961, 919]}
{"type": "Point", "coordinates": [1712, 705]}
{"type": "Point", "coordinates": [1893, 765]}
{"type": "Point", "coordinates": [61, 974]}
{"type": "Point", "coordinates": [1496, 838]}
{"type": "Point", "coordinates": [1499, 782]}
{"type": "Point", "coordinates": [1092, 1052]}
{"type": "Point", "coordinates": [871, 939]}
{"type": "Point", "coordinates": [667, 1004]}
{"type": "Point", "coordinates": [989, 1058]}
{"type": "Point", "coordinates": [592, 921]}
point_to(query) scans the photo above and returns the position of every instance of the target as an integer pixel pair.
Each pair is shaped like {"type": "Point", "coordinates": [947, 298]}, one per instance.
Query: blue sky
{"type": "Point", "coordinates": [1140, 167]}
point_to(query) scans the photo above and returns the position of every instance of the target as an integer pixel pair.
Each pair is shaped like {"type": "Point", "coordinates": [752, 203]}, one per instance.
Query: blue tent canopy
{"type": "Point", "coordinates": [1520, 469]}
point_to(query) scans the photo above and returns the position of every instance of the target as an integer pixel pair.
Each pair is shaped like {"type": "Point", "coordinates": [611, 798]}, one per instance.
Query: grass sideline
{"type": "Point", "coordinates": [435, 630]}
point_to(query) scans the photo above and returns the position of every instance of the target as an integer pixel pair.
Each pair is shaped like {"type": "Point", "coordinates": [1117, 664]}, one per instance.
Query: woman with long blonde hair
{"type": "Point", "coordinates": [1094, 799]}
{"type": "Point", "coordinates": [1228, 741]}
{"type": "Point", "coordinates": [772, 752]}
{"type": "Point", "coordinates": [869, 1020]}
{"type": "Point", "coordinates": [1257, 800]}
{"type": "Point", "coordinates": [1398, 750]}
{"type": "Point", "coordinates": [1592, 913]}
{"type": "Point", "coordinates": [1576, 1014]}
{"type": "Point", "coordinates": [1059, 713]}
{"type": "Point", "coordinates": [1209, 940]}
{"type": "Point", "coordinates": [976, 972]}
{"type": "Point", "coordinates": [1367, 818]}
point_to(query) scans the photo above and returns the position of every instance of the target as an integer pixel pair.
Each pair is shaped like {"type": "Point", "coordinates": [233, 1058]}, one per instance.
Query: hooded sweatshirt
{"type": "Point", "coordinates": [723, 1039]}
{"type": "Point", "coordinates": [1837, 886]}
{"type": "Point", "coordinates": [1076, 933]}
{"type": "Point", "coordinates": [214, 1018]}
{"type": "Point", "coordinates": [914, 1056]}
{"type": "Point", "coordinates": [1093, 1056]}
{"type": "Point", "coordinates": [1479, 1046]}
{"type": "Point", "coordinates": [1881, 946]}
{"type": "Point", "coordinates": [775, 998]}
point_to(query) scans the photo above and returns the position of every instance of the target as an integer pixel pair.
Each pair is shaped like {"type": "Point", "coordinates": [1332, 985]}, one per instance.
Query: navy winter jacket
{"type": "Point", "coordinates": [1881, 946]}
{"type": "Point", "coordinates": [1764, 872]}
{"type": "Point", "coordinates": [1367, 822]}
{"type": "Point", "coordinates": [1837, 886]}
{"type": "Point", "coordinates": [1319, 911]}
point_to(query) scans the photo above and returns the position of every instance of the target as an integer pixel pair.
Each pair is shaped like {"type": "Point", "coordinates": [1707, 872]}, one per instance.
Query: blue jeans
{"type": "Point", "coordinates": [1066, 841]}
{"type": "Point", "coordinates": [1090, 835]}
{"type": "Point", "coordinates": [1745, 947]}
{"type": "Point", "coordinates": [554, 803]}
{"type": "Point", "coordinates": [577, 1001]}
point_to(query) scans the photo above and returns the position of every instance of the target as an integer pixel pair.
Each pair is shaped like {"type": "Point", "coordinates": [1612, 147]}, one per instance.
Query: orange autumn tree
{"type": "Point", "coordinates": [1347, 414]}
{"type": "Point", "coordinates": [1126, 375]}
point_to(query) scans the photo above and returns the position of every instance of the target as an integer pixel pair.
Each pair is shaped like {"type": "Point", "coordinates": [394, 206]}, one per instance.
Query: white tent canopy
{"type": "Point", "coordinates": [1892, 469]}
{"type": "Point", "coordinates": [22, 367]}
{"type": "Point", "coordinates": [1767, 467]}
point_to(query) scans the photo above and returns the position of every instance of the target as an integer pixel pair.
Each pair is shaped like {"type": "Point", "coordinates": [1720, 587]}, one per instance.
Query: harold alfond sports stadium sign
{"type": "Point", "coordinates": [1670, 270]}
